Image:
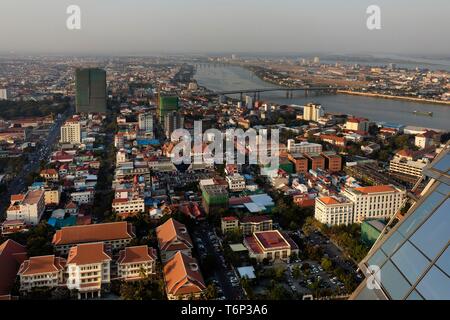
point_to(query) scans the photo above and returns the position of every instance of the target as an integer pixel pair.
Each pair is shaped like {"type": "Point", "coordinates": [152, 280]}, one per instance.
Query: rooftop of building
{"type": "Point", "coordinates": [42, 264]}
{"type": "Point", "coordinates": [88, 253]}
{"type": "Point", "coordinates": [93, 233]}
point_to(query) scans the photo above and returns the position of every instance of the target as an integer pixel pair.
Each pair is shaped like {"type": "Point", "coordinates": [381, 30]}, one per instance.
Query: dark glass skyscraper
{"type": "Point", "coordinates": [90, 90]}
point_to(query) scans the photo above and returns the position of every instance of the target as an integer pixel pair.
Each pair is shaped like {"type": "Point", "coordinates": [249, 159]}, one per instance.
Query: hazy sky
{"type": "Point", "coordinates": [200, 26]}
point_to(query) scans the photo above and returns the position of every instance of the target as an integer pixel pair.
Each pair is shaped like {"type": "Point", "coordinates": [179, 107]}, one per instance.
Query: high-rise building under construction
{"type": "Point", "coordinates": [167, 104]}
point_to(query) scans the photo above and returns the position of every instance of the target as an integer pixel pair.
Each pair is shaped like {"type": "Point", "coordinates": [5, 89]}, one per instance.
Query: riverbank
{"type": "Point", "coordinates": [229, 78]}
{"type": "Point", "coordinates": [385, 96]}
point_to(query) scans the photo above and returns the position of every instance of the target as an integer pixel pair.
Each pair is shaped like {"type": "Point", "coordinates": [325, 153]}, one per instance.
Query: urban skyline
{"type": "Point", "coordinates": [229, 152]}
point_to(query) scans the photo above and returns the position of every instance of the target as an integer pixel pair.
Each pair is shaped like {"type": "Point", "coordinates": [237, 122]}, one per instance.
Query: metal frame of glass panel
{"type": "Point", "coordinates": [412, 255]}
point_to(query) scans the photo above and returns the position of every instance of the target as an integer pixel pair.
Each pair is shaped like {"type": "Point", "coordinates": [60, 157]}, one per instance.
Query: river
{"type": "Point", "coordinates": [223, 78]}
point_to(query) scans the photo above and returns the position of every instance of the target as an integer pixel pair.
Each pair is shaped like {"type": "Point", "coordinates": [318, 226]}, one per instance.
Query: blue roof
{"type": "Point", "coordinates": [146, 142]}
{"type": "Point", "coordinates": [151, 201]}
{"type": "Point", "coordinates": [60, 223]}
{"type": "Point", "coordinates": [37, 185]}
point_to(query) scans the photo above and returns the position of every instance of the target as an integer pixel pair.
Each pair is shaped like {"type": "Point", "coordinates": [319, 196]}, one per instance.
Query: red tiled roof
{"type": "Point", "coordinates": [239, 201]}
{"type": "Point", "coordinates": [182, 275]}
{"type": "Point", "coordinates": [93, 233]}
{"type": "Point", "coordinates": [171, 231]}
{"type": "Point", "coordinates": [328, 200]}
{"type": "Point", "coordinates": [137, 254]}
{"type": "Point", "coordinates": [375, 189]}
{"type": "Point", "coordinates": [12, 255]}
{"type": "Point", "coordinates": [271, 239]}
{"type": "Point", "coordinates": [88, 253]}
{"type": "Point", "coordinates": [42, 264]}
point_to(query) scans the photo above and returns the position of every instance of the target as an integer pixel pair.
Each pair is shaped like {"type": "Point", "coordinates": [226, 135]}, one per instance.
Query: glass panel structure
{"type": "Point", "coordinates": [414, 256]}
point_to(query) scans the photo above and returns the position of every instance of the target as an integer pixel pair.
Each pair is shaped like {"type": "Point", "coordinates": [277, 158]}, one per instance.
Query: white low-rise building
{"type": "Point", "coordinates": [88, 269]}
{"type": "Point", "coordinates": [83, 197]}
{"type": "Point", "coordinates": [408, 167]}
{"type": "Point", "coordinates": [376, 202]}
{"type": "Point", "coordinates": [42, 271]}
{"type": "Point", "coordinates": [303, 147]}
{"type": "Point", "coordinates": [130, 205]}
{"type": "Point", "coordinates": [334, 211]}
{"type": "Point", "coordinates": [236, 183]}
{"type": "Point", "coordinates": [27, 207]}
{"type": "Point", "coordinates": [136, 262]}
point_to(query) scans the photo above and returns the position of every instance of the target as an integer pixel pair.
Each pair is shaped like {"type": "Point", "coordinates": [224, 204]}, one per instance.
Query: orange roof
{"type": "Point", "coordinates": [375, 189]}
{"type": "Point", "coordinates": [182, 275]}
{"type": "Point", "coordinates": [52, 172]}
{"type": "Point", "coordinates": [173, 231]}
{"type": "Point", "coordinates": [17, 197]}
{"type": "Point", "coordinates": [329, 200]}
{"type": "Point", "coordinates": [42, 264]}
{"type": "Point", "coordinates": [136, 254]}
{"type": "Point", "coordinates": [93, 233]}
{"type": "Point", "coordinates": [88, 253]}
{"type": "Point", "coordinates": [12, 255]}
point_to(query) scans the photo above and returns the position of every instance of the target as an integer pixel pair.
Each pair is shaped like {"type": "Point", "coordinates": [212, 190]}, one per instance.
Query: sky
{"type": "Point", "coordinates": [235, 26]}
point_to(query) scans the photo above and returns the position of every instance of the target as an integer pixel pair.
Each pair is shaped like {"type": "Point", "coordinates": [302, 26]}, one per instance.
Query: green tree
{"type": "Point", "coordinates": [326, 264]}
{"type": "Point", "coordinates": [210, 292]}
{"type": "Point", "coordinates": [296, 272]}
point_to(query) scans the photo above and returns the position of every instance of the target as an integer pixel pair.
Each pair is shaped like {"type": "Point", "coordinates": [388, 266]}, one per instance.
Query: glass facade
{"type": "Point", "coordinates": [90, 90]}
{"type": "Point", "coordinates": [413, 259]}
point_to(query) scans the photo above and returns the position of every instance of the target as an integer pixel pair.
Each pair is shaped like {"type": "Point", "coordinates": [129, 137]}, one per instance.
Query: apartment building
{"type": "Point", "coordinates": [229, 224]}
{"type": "Point", "coordinates": [252, 224]}
{"type": "Point", "coordinates": [71, 132]}
{"type": "Point", "coordinates": [357, 124]}
{"type": "Point", "coordinates": [236, 183]}
{"type": "Point", "coordinates": [28, 207]}
{"type": "Point", "coordinates": [333, 139]}
{"type": "Point", "coordinates": [183, 278]}
{"type": "Point", "coordinates": [315, 161]}
{"type": "Point", "coordinates": [303, 147]}
{"type": "Point", "coordinates": [424, 140]}
{"type": "Point", "coordinates": [116, 234]}
{"type": "Point", "coordinates": [129, 205]}
{"type": "Point", "coordinates": [271, 245]}
{"type": "Point", "coordinates": [145, 122]}
{"type": "Point", "coordinates": [407, 167]}
{"type": "Point", "coordinates": [334, 211]}
{"type": "Point", "coordinates": [83, 197]}
{"type": "Point", "coordinates": [376, 202]}
{"type": "Point", "coordinates": [134, 263]}
{"type": "Point", "coordinates": [42, 271]}
{"type": "Point", "coordinates": [299, 161]}
{"type": "Point", "coordinates": [88, 269]}
{"type": "Point", "coordinates": [52, 196]}
{"type": "Point", "coordinates": [12, 226]}
{"type": "Point", "coordinates": [173, 237]}
{"type": "Point", "coordinates": [333, 162]}
{"type": "Point", "coordinates": [312, 112]}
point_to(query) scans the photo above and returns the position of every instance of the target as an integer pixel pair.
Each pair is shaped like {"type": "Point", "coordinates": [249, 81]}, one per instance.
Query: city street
{"type": "Point", "coordinates": [222, 271]}
{"type": "Point", "coordinates": [43, 152]}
